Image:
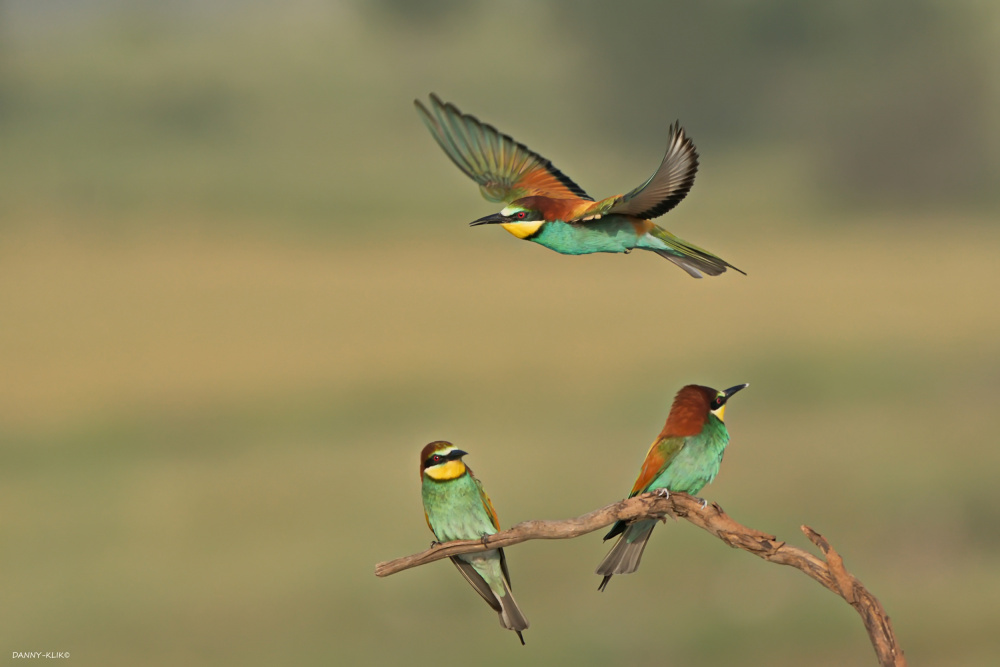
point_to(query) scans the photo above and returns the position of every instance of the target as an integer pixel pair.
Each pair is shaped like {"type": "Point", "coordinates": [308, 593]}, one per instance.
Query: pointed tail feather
{"type": "Point", "coordinates": [511, 616]}
{"type": "Point", "coordinates": [688, 256]}
{"type": "Point", "coordinates": [624, 557]}
{"type": "Point", "coordinates": [506, 608]}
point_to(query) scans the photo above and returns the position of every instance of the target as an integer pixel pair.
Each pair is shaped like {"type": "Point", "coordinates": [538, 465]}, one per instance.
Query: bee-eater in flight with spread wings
{"type": "Point", "coordinates": [543, 205]}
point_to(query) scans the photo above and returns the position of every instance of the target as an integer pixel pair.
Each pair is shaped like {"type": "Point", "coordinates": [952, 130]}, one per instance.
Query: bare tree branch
{"type": "Point", "coordinates": [830, 572]}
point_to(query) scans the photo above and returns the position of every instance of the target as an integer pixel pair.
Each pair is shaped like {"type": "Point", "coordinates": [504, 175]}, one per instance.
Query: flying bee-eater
{"type": "Point", "coordinates": [684, 457]}
{"type": "Point", "coordinates": [543, 205]}
{"type": "Point", "coordinates": [457, 508]}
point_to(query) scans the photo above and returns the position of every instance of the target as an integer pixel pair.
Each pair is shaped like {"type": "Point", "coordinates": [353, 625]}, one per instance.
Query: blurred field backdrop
{"type": "Point", "coordinates": [238, 294]}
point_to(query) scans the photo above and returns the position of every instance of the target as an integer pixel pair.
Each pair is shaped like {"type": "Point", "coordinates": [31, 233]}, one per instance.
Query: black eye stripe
{"type": "Point", "coordinates": [437, 459]}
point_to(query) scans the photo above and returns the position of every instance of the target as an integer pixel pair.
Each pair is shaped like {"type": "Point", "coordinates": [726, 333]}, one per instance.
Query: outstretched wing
{"type": "Point", "coordinates": [658, 459]}
{"type": "Point", "coordinates": [664, 189]}
{"type": "Point", "coordinates": [505, 169]}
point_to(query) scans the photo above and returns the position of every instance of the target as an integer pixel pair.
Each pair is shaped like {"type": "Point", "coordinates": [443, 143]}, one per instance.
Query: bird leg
{"type": "Point", "coordinates": [664, 493]}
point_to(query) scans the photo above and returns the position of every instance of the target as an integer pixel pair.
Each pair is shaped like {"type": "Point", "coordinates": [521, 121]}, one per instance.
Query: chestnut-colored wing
{"type": "Point", "coordinates": [660, 454]}
{"type": "Point", "coordinates": [505, 169]}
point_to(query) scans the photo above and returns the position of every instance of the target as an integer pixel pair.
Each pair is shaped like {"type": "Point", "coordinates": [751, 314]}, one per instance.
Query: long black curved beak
{"type": "Point", "coordinates": [732, 390]}
{"type": "Point", "coordinates": [494, 219]}
{"type": "Point", "coordinates": [456, 454]}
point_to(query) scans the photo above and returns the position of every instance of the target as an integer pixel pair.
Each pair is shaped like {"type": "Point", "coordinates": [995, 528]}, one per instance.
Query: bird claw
{"type": "Point", "coordinates": [704, 503]}
{"type": "Point", "coordinates": [662, 493]}
{"type": "Point", "coordinates": [435, 543]}
{"type": "Point", "coordinates": [483, 540]}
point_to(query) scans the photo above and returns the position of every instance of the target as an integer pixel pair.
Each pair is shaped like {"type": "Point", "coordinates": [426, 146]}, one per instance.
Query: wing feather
{"type": "Point", "coordinates": [661, 453]}
{"type": "Point", "coordinates": [477, 582]}
{"type": "Point", "coordinates": [503, 568]}
{"type": "Point", "coordinates": [487, 503]}
{"type": "Point", "coordinates": [668, 186]}
{"type": "Point", "coordinates": [504, 169]}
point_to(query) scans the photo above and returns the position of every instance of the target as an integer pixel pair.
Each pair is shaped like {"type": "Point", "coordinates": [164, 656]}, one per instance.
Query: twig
{"type": "Point", "coordinates": [830, 572]}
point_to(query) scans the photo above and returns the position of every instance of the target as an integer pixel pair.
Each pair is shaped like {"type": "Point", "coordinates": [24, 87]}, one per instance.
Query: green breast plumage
{"type": "Point", "coordinates": [455, 509]}
{"type": "Point", "coordinates": [614, 233]}
{"type": "Point", "coordinates": [697, 463]}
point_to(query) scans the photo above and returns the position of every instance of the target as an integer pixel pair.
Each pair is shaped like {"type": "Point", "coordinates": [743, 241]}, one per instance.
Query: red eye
{"type": "Point", "coordinates": [520, 215]}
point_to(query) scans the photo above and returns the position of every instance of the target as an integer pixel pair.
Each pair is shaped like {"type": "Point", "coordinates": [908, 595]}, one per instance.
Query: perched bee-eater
{"type": "Point", "coordinates": [457, 508]}
{"type": "Point", "coordinates": [684, 457]}
{"type": "Point", "coordinates": [543, 205]}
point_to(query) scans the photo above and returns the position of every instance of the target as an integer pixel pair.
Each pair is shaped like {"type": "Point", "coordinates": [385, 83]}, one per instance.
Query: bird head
{"type": "Point", "coordinates": [692, 408]}
{"type": "Point", "coordinates": [717, 405]}
{"type": "Point", "coordinates": [442, 461]}
{"type": "Point", "coordinates": [518, 218]}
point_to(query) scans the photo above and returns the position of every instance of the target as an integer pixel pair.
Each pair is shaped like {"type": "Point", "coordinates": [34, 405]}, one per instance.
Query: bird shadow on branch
{"type": "Point", "coordinates": [830, 573]}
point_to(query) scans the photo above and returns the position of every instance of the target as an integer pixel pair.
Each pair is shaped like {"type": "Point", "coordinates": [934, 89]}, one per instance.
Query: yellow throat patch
{"type": "Point", "coordinates": [522, 230]}
{"type": "Point", "coordinates": [445, 471]}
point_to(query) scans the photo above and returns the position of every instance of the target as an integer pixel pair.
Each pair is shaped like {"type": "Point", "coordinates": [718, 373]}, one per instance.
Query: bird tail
{"type": "Point", "coordinates": [498, 596]}
{"type": "Point", "coordinates": [688, 256]}
{"type": "Point", "coordinates": [624, 557]}
{"type": "Point", "coordinates": [511, 616]}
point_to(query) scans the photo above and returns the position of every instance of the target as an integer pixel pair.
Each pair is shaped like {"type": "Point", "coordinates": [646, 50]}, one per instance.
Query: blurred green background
{"type": "Point", "coordinates": [238, 295]}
